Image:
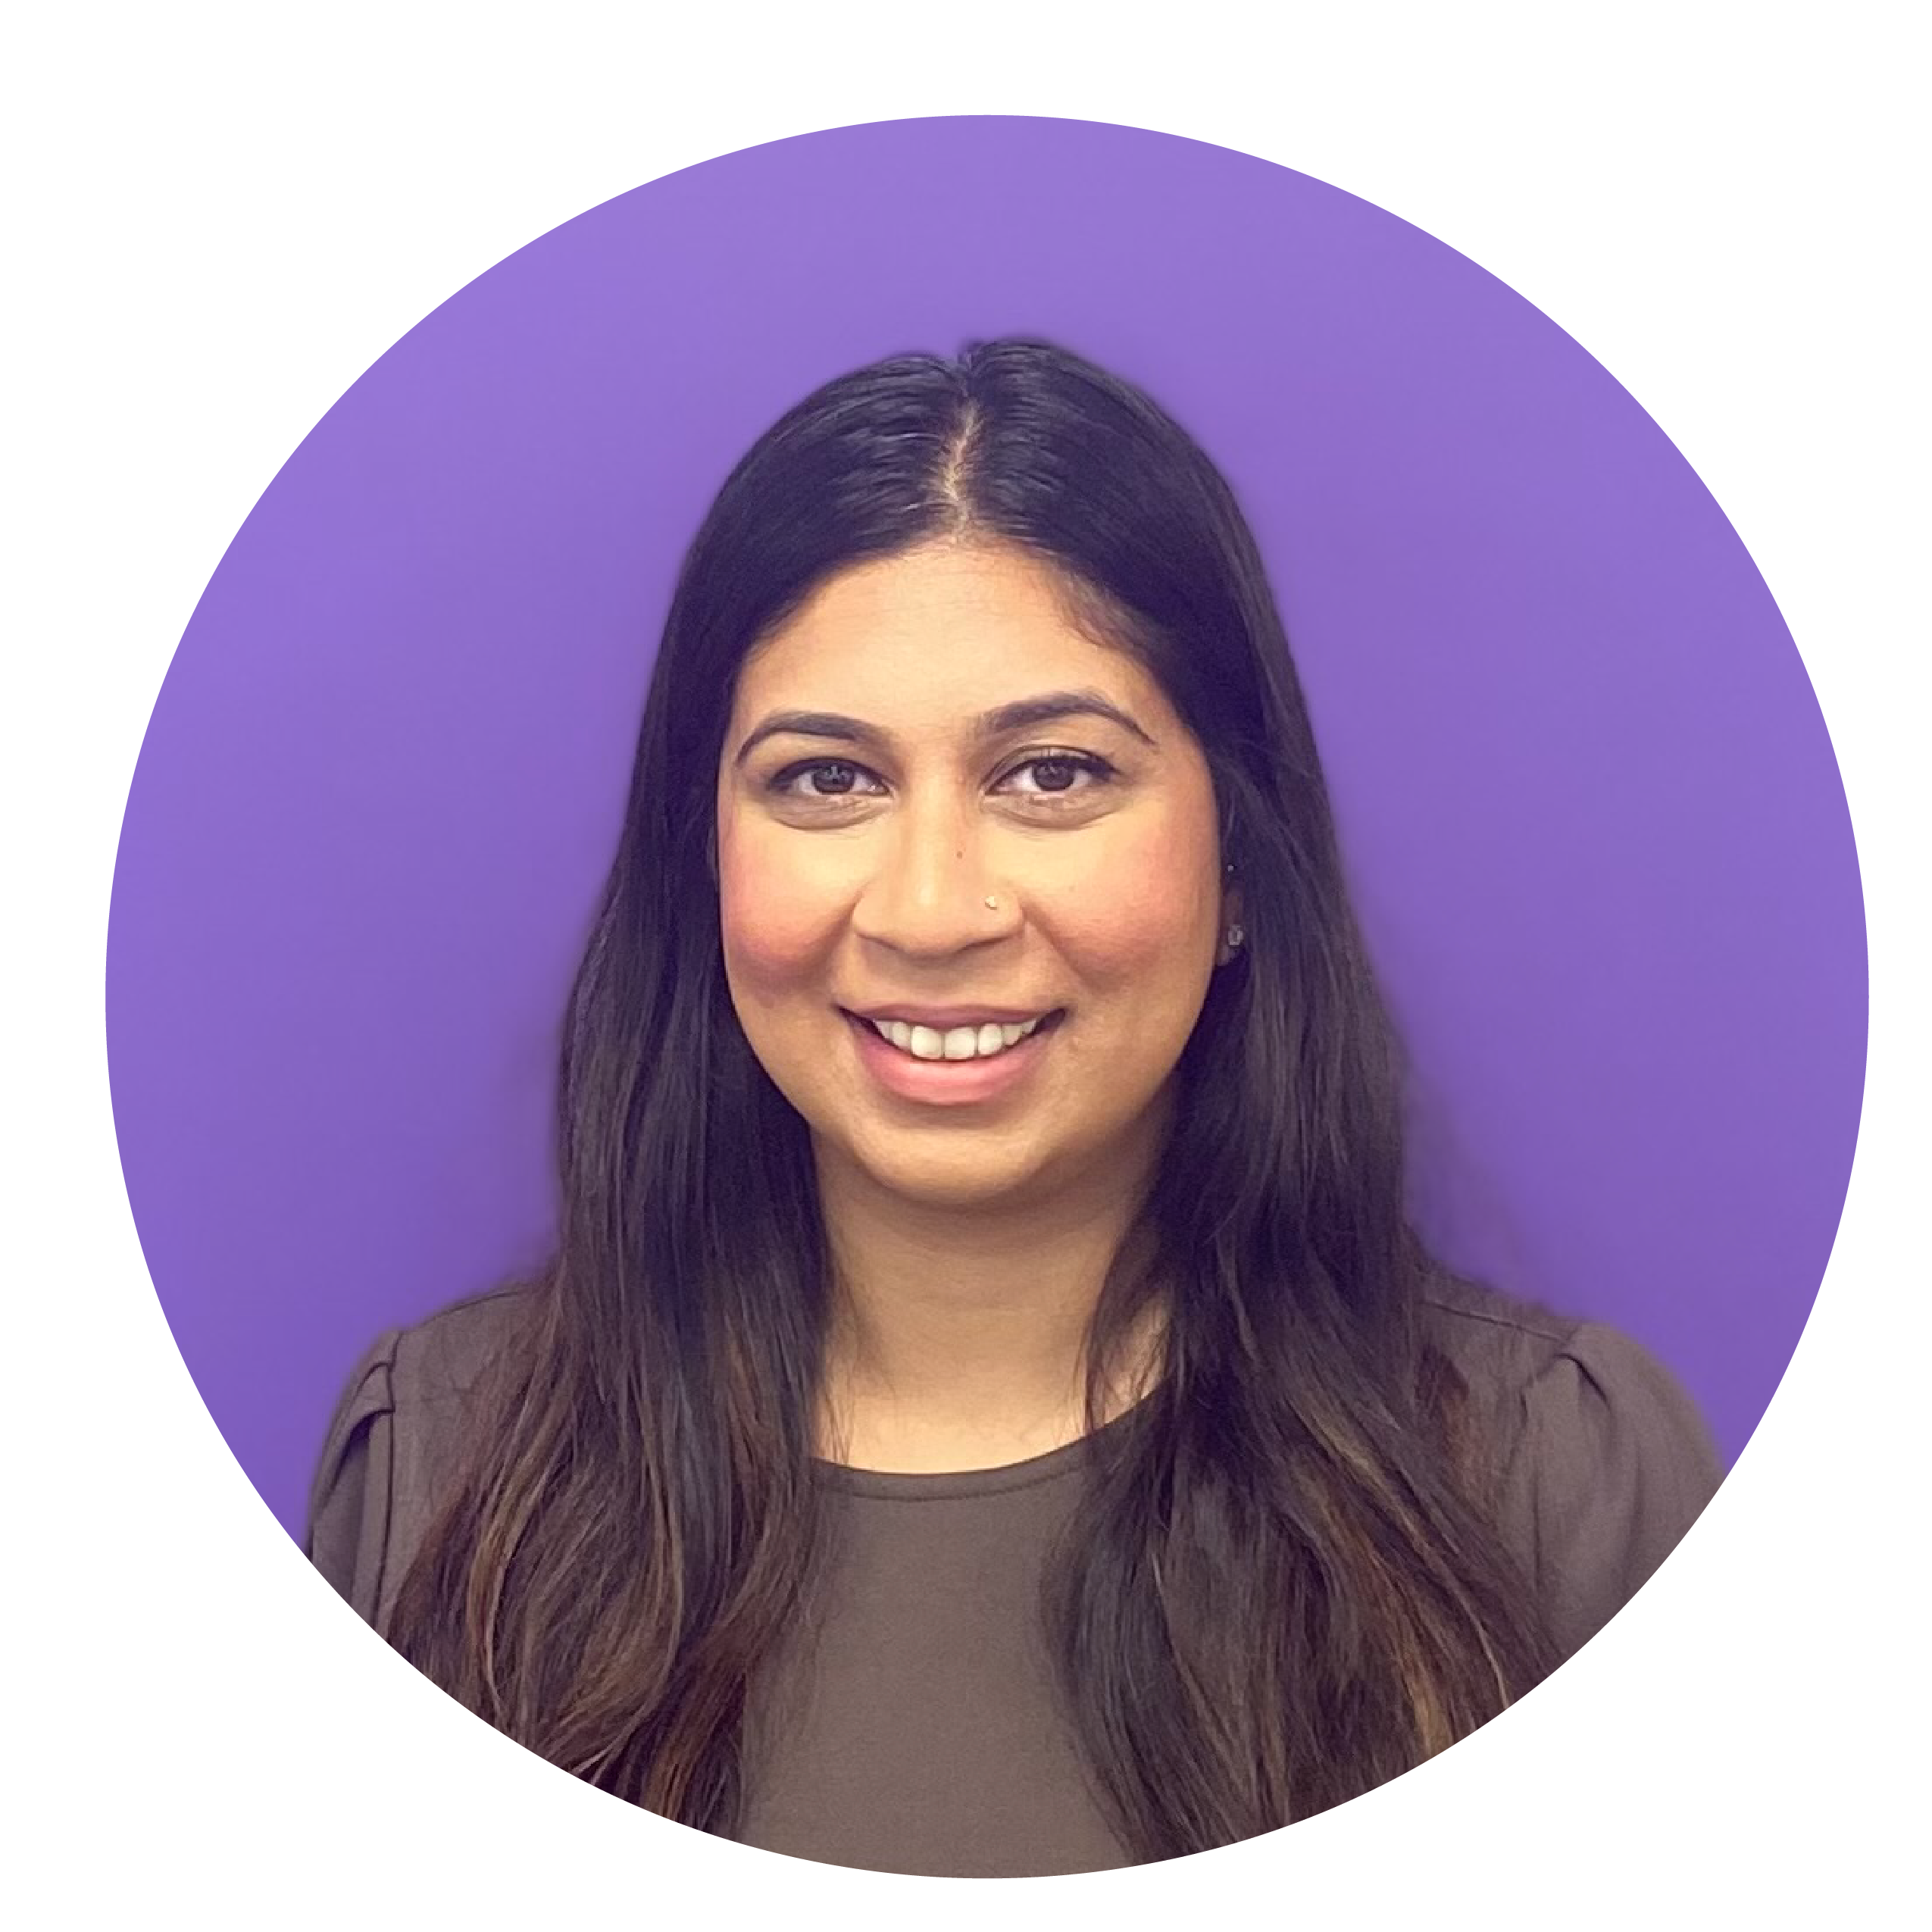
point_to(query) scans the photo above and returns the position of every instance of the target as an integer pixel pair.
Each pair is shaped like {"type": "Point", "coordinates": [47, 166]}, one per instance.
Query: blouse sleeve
{"type": "Point", "coordinates": [1613, 1465]}
{"type": "Point", "coordinates": [350, 1501]}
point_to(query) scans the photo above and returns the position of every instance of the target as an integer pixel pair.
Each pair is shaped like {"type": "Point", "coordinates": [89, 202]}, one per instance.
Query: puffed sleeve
{"type": "Point", "coordinates": [1612, 1465]}
{"type": "Point", "coordinates": [350, 1501]}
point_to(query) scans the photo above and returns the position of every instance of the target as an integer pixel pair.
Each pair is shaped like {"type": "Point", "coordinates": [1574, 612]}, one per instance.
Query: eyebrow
{"type": "Point", "coordinates": [1019, 716]}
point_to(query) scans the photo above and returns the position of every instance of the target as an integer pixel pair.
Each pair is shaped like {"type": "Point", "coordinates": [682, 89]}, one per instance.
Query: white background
{"type": "Point", "coordinates": [219, 216]}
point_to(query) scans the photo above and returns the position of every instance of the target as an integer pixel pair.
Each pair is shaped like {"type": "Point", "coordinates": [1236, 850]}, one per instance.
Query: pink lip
{"type": "Point", "coordinates": [947, 1083]}
{"type": "Point", "coordinates": [941, 1018]}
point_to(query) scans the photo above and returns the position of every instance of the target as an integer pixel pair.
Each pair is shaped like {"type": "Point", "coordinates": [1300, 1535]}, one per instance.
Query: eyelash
{"type": "Point", "coordinates": [1095, 766]}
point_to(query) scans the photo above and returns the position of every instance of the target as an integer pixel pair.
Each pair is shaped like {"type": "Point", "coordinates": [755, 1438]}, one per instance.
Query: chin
{"type": "Point", "coordinates": [975, 1178]}
{"type": "Point", "coordinates": [962, 1184]}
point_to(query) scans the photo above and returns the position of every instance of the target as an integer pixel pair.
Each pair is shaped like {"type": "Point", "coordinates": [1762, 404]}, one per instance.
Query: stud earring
{"type": "Point", "coordinates": [1235, 935]}
{"type": "Point", "coordinates": [992, 902]}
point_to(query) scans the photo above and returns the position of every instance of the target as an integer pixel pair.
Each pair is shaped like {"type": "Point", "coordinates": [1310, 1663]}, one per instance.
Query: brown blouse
{"type": "Point", "coordinates": [914, 1728]}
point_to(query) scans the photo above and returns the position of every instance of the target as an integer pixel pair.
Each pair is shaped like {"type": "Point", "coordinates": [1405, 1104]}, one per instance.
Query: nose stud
{"type": "Point", "coordinates": [992, 902]}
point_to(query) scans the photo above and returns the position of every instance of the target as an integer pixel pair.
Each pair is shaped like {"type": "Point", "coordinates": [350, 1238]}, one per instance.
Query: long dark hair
{"type": "Point", "coordinates": [1284, 1586]}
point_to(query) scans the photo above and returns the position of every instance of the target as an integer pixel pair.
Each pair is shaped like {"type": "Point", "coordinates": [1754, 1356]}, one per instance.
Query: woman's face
{"type": "Point", "coordinates": [871, 799]}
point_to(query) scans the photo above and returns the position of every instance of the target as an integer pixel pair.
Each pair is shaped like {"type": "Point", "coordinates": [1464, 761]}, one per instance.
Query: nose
{"type": "Point", "coordinates": [928, 894]}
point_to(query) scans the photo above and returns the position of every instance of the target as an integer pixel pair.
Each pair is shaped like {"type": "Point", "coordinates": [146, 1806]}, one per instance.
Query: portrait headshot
{"type": "Point", "coordinates": [996, 1060]}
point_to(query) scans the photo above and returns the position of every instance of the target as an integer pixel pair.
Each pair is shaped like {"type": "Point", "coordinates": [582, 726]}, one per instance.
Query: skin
{"type": "Point", "coordinates": [970, 1242]}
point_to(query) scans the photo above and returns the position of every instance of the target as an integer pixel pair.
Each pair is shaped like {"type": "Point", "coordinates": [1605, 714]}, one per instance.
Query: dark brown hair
{"type": "Point", "coordinates": [1284, 1585]}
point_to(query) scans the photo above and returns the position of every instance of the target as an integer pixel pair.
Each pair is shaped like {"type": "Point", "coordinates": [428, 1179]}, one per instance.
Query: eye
{"type": "Point", "coordinates": [1055, 773]}
{"type": "Point", "coordinates": [831, 779]}
{"type": "Point", "coordinates": [839, 781]}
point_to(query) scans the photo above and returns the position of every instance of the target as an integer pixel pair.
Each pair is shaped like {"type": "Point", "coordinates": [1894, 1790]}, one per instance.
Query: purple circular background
{"type": "Point", "coordinates": [1590, 809]}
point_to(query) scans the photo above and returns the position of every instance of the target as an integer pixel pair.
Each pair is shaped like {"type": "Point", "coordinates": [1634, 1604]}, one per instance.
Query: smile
{"type": "Point", "coordinates": [954, 1042]}
{"type": "Point", "coordinates": [954, 1065]}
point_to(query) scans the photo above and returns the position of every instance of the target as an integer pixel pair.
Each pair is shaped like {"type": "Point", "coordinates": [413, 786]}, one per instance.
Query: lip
{"type": "Point", "coordinates": [949, 1083]}
{"type": "Point", "coordinates": [940, 1018]}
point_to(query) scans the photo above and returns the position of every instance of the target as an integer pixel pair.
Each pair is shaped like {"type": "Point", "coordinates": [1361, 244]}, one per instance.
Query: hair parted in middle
{"type": "Point", "coordinates": [1284, 1584]}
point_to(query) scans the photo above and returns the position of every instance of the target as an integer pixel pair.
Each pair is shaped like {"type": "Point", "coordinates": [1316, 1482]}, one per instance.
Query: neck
{"type": "Point", "coordinates": [959, 1336]}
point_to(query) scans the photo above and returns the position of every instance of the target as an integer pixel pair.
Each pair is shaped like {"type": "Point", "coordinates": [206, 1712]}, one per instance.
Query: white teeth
{"type": "Point", "coordinates": [957, 1043]}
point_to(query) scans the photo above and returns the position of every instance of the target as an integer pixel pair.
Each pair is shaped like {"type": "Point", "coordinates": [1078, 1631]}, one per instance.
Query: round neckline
{"type": "Point", "coordinates": [940, 1486]}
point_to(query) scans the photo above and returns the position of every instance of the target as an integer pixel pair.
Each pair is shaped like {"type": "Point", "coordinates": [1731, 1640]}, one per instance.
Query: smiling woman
{"type": "Point", "coordinates": [1103, 926]}
{"type": "Point", "coordinates": [988, 1412]}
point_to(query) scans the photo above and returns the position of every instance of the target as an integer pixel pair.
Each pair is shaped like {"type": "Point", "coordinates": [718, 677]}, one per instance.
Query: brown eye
{"type": "Point", "coordinates": [830, 780]}
{"type": "Point", "coordinates": [1060, 774]}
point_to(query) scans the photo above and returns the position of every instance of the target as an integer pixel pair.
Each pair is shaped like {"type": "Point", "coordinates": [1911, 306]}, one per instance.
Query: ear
{"type": "Point", "coordinates": [1232, 914]}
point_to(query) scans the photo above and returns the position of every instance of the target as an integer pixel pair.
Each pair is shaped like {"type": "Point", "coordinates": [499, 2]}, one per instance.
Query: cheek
{"type": "Point", "coordinates": [1143, 923]}
{"type": "Point", "coordinates": [777, 927]}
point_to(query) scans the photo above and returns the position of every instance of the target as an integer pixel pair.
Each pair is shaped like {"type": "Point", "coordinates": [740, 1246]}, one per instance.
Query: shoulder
{"type": "Point", "coordinates": [395, 1442]}
{"type": "Point", "coordinates": [1499, 1344]}
{"type": "Point", "coordinates": [1602, 1460]}
{"type": "Point", "coordinates": [1518, 1357]}
{"type": "Point", "coordinates": [438, 1361]}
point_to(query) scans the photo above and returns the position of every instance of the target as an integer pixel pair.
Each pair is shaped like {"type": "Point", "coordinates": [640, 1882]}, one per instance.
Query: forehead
{"type": "Point", "coordinates": [944, 631]}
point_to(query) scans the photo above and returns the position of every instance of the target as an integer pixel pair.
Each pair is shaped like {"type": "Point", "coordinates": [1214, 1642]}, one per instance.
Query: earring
{"type": "Point", "coordinates": [992, 902]}
{"type": "Point", "coordinates": [1235, 935]}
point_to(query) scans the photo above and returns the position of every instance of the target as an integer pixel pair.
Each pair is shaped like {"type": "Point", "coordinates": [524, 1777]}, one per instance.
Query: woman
{"type": "Point", "coordinates": [987, 1412]}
